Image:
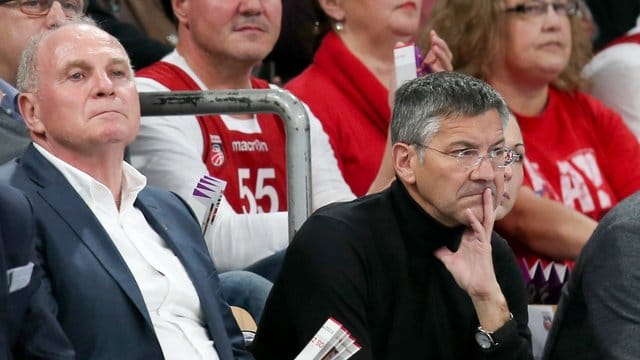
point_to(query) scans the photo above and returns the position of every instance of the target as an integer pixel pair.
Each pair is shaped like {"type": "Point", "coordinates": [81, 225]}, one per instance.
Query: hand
{"type": "Point", "coordinates": [471, 265]}
{"type": "Point", "coordinates": [439, 58]}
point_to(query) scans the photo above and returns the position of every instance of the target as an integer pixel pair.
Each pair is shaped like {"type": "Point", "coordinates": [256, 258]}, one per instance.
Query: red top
{"type": "Point", "coordinates": [634, 38]}
{"type": "Point", "coordinates": [352, 106]}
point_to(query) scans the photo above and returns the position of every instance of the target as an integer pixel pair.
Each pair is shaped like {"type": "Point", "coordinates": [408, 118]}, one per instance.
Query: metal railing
{"type": "Point", "coordinates": [287, 106]}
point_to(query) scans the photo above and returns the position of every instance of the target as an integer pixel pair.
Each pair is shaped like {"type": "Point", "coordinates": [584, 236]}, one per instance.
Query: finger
{"type": "Point", "coordinates": [476, 226]}
{"type": "Point", "coordinates": [488, 209]}
{"type": "Point", "coordinates": [443, 254]}
{"type": "Point", "coordinates": [437, 40]}
{"type": "Point", "coordinates": [429, 58]}
{"type": "Point", "coordinates": [445, 58]}
{"type": "Point", "coordinates": [442, 59]}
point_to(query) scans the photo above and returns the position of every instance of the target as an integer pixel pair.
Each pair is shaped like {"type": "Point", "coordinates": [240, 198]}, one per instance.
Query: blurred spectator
{"type": "Point", "coordinates": [614, 72]}
{"type": "Point", "coordinates": [142, 49]}
{"type": "Point", "coordinates": [532, 52]}
{"type": "Point", "coordinates": [354, 68]}
{"type": "Point", "coordinates": [20, 21]}
{"type": "Point", "coordinates": [513, 174]}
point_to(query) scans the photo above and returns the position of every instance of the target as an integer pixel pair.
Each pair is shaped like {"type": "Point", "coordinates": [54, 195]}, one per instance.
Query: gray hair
{"type": "Point", "coordinates": [27, 78]}
{"type": "Point", "coordinates": [421, 105]}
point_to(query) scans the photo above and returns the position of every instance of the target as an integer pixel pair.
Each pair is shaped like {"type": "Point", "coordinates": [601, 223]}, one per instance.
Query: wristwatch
{"type": "Point", "coordinates": [486, 339]}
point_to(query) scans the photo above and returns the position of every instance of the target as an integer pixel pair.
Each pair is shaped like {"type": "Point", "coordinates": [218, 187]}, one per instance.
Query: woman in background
{"type": "Point", "coordinates": [347, 85]}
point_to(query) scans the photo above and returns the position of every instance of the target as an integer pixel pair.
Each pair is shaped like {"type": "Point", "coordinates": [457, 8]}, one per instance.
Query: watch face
{"type": "Point", "coordinates": [484, 340]}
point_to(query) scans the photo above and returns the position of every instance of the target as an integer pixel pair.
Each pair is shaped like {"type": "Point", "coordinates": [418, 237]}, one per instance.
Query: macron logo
{"type": "Point", "coordinates": [255, 145]}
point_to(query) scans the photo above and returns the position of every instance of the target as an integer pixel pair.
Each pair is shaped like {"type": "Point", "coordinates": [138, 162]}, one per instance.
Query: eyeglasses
{"type": "Point", "coordinates": [539, 8]}
{"type": "Point", "coordinates": [517, 157]}
{"type": "Point", "coordinates": [71, 8]}
{"type": "Point", "coordinates": [471, 158]}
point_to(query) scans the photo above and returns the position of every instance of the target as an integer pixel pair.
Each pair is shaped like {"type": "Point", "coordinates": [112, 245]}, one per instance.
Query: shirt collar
{"type": "Point", "coordinates": [94, 193]}
{"type": "Point", "coordinates": [421, 231]}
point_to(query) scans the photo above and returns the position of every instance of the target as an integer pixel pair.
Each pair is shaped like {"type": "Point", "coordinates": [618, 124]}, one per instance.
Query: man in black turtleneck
{"type": "Point", "coordinates": [414, 271]}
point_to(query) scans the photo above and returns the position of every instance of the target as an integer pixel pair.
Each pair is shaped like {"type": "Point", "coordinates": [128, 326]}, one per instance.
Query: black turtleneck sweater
{"type": "Point", "coordinates": [369, 264]}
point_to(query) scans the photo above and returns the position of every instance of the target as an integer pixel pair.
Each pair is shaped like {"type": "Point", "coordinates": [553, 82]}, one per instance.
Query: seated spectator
{"type": "Point", "coordinates": [514, 174]}
{"type": "Point", "coordinates": [143, 50]}
{"type": "Point", "coordinates": [219, 52]}
{"type": "Point", "coordinates": [532, 52]}
{"type": "Point", "coordinates": [27, 330]}
{"type": "Point", "coordinates": [599, 313]}
{"type": "Point", "coordinates": [614, 72]}
{"type": "Point", "coordinates": [414, 271]}
{"type": "Point", "coordinates": [128, 272]}
{"type": "Point", "coordinates": [354, 68]}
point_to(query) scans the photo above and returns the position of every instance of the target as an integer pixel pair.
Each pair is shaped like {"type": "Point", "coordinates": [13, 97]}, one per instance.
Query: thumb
{"type": "Point", "coordinates": [443, 254]}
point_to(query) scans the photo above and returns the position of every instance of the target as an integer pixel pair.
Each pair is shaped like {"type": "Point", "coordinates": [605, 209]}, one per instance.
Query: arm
{"type": "Point", "coordinates": [472, 266]}
{"type": "Point", "coordinates": [322, 276]}
{"type": "Point", "coordinates": [611, 286]}
{"type": "Point", "coordinates": [168, 151]}
{"type": "Point", "coordinates": [545, 226]}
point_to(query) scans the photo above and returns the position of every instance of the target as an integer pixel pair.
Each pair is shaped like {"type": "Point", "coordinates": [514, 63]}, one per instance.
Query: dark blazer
{"type": "Point", "coordinates": [25, 327]}
{"type": "Point", "coordinates": [14, 137]}
{"type": "Point", "coordinates": [98, 301]}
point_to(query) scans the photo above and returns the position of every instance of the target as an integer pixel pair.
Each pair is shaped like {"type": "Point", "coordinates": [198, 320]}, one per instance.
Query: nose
{"type": "Point", "coordinates": [485, 171]}
{"type": "Point", "coordinates": [56, 16]}
{"type": "Point", "coordinates": [553, 17]}
{"type": "Point", "coordinates": [103, 86]}
{"type": "Point", "coordinates": [250, 7]}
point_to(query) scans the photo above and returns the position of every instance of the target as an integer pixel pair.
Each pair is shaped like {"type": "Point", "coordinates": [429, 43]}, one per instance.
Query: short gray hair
{"type": "Point", "coordinates": [421, 105]}
{"type": "Point", "coordinates": [27, 78]}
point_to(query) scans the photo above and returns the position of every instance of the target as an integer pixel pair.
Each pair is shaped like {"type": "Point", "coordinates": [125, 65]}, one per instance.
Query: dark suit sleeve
{"type": "Point", "coordinates": [611, 286]}
{"type": "Point", "coordinates": [38, 334]}
{"type": "Point", "coordinates": [41, 336]}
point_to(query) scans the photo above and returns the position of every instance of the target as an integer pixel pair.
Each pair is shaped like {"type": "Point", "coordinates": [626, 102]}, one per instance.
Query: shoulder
{"type": "Point", "coordinates": [12, 200]}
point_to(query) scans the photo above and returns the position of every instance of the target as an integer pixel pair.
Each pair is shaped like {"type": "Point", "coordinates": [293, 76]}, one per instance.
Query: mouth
{"type": "Point", "coordinates": [506, 196]}
{"type": "Point", "coordinates": [552, 44]}
{"type": "Point", "coordinates": [249, 28]}
{"type": "Point", "coordinates": [107, 113]}
{"type": "Point", "coordinates": [409, 5]}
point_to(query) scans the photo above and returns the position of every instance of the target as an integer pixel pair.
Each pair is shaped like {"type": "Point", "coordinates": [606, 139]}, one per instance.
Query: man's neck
{"type": "Point", "coordinates": [105, 165]}
{"type": "Point", "coordinates": [218, 73]}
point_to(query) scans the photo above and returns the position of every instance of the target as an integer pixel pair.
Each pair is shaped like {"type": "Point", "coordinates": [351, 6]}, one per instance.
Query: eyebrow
{"type": "Point", "coordinates": [83, 64]}
{"type": "Point", "coordinates": [464, 143]}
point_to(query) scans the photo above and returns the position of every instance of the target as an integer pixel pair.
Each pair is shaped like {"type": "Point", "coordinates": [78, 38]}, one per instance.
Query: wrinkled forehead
{"type": "Point", "coordinates": [70, 40]}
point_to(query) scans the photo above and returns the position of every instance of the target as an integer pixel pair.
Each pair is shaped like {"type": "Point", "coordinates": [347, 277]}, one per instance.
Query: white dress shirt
{"type": "Point", "coordinates": [169, 295]}
{"type": "Point", "coordinates": [168, 150]}
{"type": "Point", "coordinates": [614, 74]}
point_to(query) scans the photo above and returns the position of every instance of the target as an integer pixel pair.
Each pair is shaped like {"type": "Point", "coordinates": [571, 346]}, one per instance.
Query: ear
{"type": "Point", "coordinates": [333, 9]}
{"type": "Point", "coordinates": [30, 110]}
{"type": "Point", "coordinates": [404, 160]}
{"type": "Point", "coordinates": [181, 10]}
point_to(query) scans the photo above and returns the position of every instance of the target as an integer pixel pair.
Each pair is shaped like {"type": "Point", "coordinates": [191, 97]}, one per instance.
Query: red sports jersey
{"type": "Point", "coordinates": [250, 158]}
